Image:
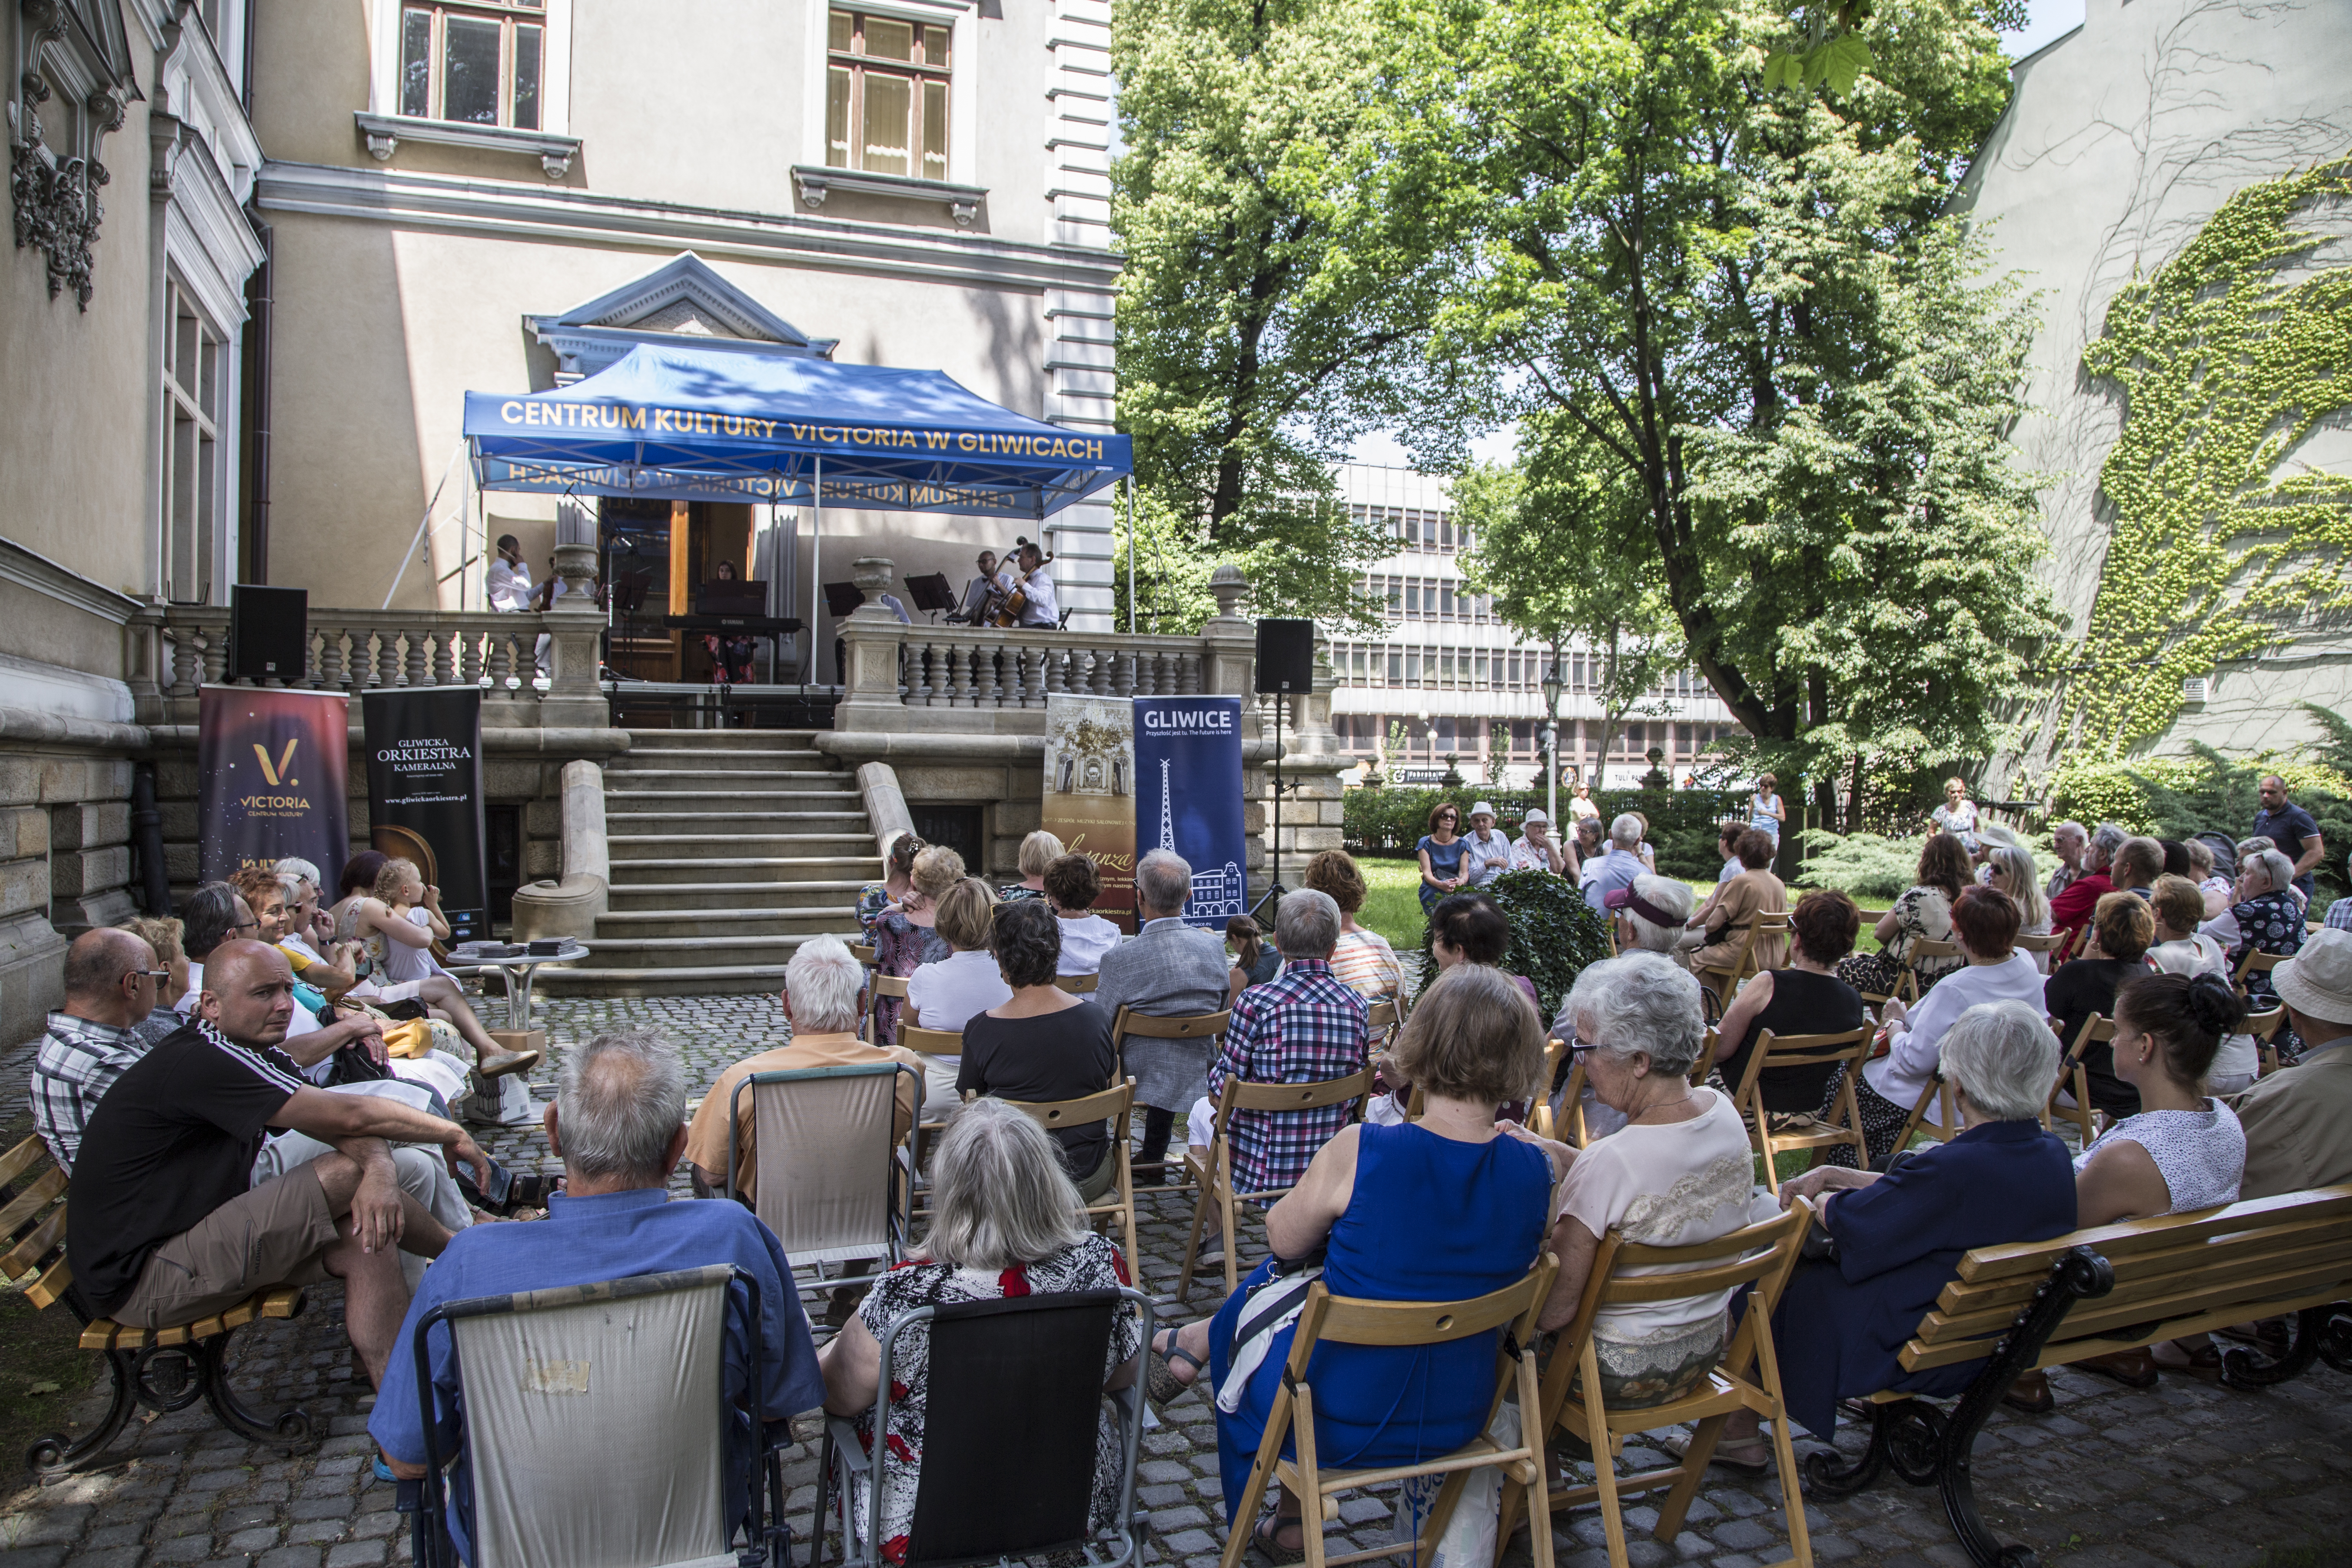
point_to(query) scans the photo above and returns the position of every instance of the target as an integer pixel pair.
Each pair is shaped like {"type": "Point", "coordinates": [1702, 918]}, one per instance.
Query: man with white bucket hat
{"type": "Point", "coordinates": [1538, 850]}
{"type": "Point", "coordinates": [1488, 854]}
{"type": "Point", "coordinates": [2298, 1121]}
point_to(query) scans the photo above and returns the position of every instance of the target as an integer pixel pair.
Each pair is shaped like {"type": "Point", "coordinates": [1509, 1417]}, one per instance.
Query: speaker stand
{"type": "Point", "coordinates": [1271, 900]}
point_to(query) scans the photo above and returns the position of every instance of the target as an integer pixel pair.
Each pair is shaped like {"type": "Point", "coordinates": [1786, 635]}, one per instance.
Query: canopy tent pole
{"type": "Point", "coordinates": [816, 544]}
{"type": "Point", "coordinates": [1130, 554]}
{"type": "Point", "coordinates": [424, 521]}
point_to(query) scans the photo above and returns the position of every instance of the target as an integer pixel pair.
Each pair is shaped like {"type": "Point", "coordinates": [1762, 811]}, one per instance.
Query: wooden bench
{"type": "Point", "coordinates": [163, 1368]}
{"type": "Point", "coordinates": [2026, 1305]}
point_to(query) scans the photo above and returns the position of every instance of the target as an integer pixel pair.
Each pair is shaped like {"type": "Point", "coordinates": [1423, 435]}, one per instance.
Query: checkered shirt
{"type": "Point", "coordinates": [77, 1063]}
{"type": "Point", "coordinates": [2339, 915]}
{"type": "Point", "coordinates": [1302, 1027]}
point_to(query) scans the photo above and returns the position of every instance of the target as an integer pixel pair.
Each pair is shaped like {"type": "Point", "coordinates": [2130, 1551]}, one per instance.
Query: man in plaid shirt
{"type": "Point", "coordinates": [1302, 1027]}
{"type": "Point", "coordinates": [111, 980]}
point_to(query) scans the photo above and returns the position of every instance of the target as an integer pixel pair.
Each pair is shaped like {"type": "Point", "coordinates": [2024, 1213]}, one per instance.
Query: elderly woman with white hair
{"type": "Point", "coordinates": [1004, 1222]}
{"type": "Point", "coordinates": [2266, 918]}
{"type": "Point", "coordinates": [1652, 913]}
{"type": "Point", "coordinates": [1844, 1319]}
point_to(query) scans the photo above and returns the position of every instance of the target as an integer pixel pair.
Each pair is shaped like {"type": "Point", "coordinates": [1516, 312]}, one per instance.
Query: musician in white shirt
{"type": "Point", "coordinates": [1041, 609]}
{"type": "Point", "coordinates": [976, 593]}
{"type": "Point", "coordinates": [509, 578]}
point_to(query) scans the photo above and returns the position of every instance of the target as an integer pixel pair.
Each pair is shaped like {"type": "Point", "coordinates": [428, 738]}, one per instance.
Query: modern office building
{"type": "Point", "coordinates": [1445, 675]}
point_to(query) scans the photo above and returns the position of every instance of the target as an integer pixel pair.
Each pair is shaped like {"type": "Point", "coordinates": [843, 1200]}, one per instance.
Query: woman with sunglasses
{"type": "Point", "coordinates": [1442, 871]}
{"type": "Point", "coordinates": [2009, 868]}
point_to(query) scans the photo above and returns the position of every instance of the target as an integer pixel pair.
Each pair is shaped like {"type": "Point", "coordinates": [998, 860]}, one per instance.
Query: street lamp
{"type": "Point", "coordinates": [1551, 684]}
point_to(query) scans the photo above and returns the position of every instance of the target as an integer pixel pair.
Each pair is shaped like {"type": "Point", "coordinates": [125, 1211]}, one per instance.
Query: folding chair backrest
{"type": "Point", "coordinates": [2255, 963]}
{"type": "Point", "coordinates": [1298, 1096]}
{"type": "Point", "coordinates": [1349, 1320]}
{"type": "Point", "coordinates": [824, 1144]}
{"type": "Point", "coordinates": [2037, 941]}
{"type": "Point", "coordinates": [986, 1491]}
{"type": "Point", "coordinates": [1077, 984]}
{"type": "Point", "coordinates": [596, 1422]}
{"type": "Point", "coordinates": [932, 1042]}
{"type": "Point", "coordinates": [1627, 1273]}
{"type": "Point", "coordinates": [1185, 1026]}
{"type": "Point", "coordinates": [1803, 1050]}
{"type": "Point", "coordinates": [1379, 1018]}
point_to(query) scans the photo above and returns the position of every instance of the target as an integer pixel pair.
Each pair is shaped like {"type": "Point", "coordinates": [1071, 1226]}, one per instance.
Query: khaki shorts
{"type": "Point", "coordinates": [273, 1234]}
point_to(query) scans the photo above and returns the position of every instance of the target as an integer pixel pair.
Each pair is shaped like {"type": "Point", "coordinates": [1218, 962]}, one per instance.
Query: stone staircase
{"type": "Point", "coordinates": [728, 847]}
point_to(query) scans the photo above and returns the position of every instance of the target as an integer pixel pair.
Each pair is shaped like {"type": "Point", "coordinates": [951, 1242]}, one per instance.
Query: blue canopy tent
{"type": "Point", "coordinates": [686, 424]}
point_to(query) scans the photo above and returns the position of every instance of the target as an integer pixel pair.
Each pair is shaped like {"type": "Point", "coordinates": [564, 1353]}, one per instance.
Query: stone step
{"type": "Point", "coordinates": [617, 799]}
{"type": "Point", "coordinates": [751, 897]}
{"type": "Point", "coordinates": [703, 845]}
{"type": "Point", "coordinates": [813, 920]}
{"type": "Point", "coordinates": [653, 759]}
{"type": "Point", "coordinates": [724, 740]}
{"type": "Point", "coordinates": [778, 869]}
{"type": "Point", "coordinates": [704, 951]}
{"type": "Point", "coordinates": [769, 781]}
{"type": "Point", "coordinates": [714, 819]}
{"type": "Point", "coordinates": [711, 980]}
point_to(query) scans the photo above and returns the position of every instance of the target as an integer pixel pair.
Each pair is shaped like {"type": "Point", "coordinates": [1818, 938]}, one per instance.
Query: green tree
{"type": "Point", "coordinates": [1739, 300]}
{"type": "Point", "coordinates": [1253, 346]}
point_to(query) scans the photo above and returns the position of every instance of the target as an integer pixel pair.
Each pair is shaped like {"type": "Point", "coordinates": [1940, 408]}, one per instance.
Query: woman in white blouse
{"type": "Point", "coordinates": [945, 995]}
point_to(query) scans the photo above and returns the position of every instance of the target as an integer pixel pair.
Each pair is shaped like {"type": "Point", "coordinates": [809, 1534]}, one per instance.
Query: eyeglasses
{"type": "Point", "coordinates": [157, 975]}
{"type": "Point", "coordinates": [246, 925]}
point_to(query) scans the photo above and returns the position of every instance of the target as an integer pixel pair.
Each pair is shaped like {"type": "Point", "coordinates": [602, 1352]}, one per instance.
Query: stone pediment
{"type": "Point", "coordinates": [683, 300]}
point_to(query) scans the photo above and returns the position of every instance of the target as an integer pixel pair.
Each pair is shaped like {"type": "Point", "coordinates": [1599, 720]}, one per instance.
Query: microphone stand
{"type": "Point", "coordinates": [1274, 888]}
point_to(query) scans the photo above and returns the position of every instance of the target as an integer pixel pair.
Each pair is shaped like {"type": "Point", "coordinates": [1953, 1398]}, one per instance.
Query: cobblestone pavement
{"type": "Point", "coordinates": [2182, 1474]}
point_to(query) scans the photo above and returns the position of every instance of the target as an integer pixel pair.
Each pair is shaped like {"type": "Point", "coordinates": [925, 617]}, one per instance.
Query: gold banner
{"type": "Point", "coordinates": [1090, 791]}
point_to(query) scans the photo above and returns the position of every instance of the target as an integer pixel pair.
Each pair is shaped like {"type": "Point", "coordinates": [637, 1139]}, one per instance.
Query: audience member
{"type": "Point", "coordinates": [2175, 857]}
{"type": "Point", "coordinates": [1766, 811]}
{"type": "Point", "coordinates": [2181, 949]}
{"type": "Point", "coordinates": [1536, 850]}
{"type": "Point", "coordinates": [822, 983]}
{"type": "Point", "coordinates": [2070, 910]}
{"type": "Point", "coordinates": [167, 1224]}
{"type": "Point", "coordinates": [2009, 868]}
{"type": "Point", "coordinates": [211, 914]}
{"type": "Point", "coordinates": [1653, 914]}
{"type": "Point", "coordinates": [1992, 836]}
{"type": "Point", "coordinates": [1044, 1044]}
{"type": "Point", "coordinates": [1736, 905]}
{"type": "Point", "coordinates": [2070, 844]}
{"type": "Point", "coordinates": [1255, 959]}
{"type": "Point", "coordinates": [2122, 929]}
{"type": "Point", "coordinates": [1469, 928]}
{"type": "Point", "coordinates": [617, 1124]}
{"type": "Point", "coordinates": [1614, 871]}
{"type": "Point", "coordinates": [1727, 843]}
{"type": "Point", "coordinates": [1072, 886]}
{"type": "Point", "coordinates": [1643, 848]}
{"type": "Point", "coordinates": [2291, 831]}
{"type": "Point", "coordinates": [214, 915]}
{"type": "Point", "coordinates": [1169, 971]}
{"type": "Point", "coordinates": [1445, 866]}
{"type": "Point", "coordinates": [111, 979]}
{"type": "Point", "coordinates": [2339, 913]}
{"type": "Point", "coordinates": [309, 936]}
{"type": "Point", "coordinates": [937, 870]}
{"type": "Point", "coordinates": [1038, 850]}
{"type": "Point", "coordinates": [1363, 959]}
{"type": "Point", "coordinates": [1004, 1222]}
{"type": "Point", "coordinates": [945, 995]}
{"type": "Point", "coordinates": [1956, 815]}
{"type": "Point", "coordinates": [2267, 917]}
{"type": "Point", "coordinates": [2298, 1121]}
{"type": "Point", "coordinates": [1488, 854]}
{"type": "Point", "coordinates": [2219, 891]}
{"type": "Point", "coordinates": [1805, 998]}
{"type": "Point", "coordinates": [1925, 911]}
{"type": "Point", "coordinates": [1843, 1320]}
{"type": "Point", "coordinates": [162, 934]}
{"type": "Point", "coordinates": [1580, 806]}
{"type": "Point", "coordinates": [1440, 1209]}
{"type": "Point", "coordinates": [399, 919]}
{"type": "Point", "coordinates": [1304, 1028]}
{"type": "Point", "coordinates": [2138, 862]}
{"type": "Point", "coordinates": [1984, 926]}
{"type": "Point", "coordinates": [897, 943]}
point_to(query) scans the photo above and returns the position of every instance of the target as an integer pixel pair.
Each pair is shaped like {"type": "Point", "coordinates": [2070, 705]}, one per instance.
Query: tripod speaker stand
{"type": "Point", "coordinates": [1284, 664]}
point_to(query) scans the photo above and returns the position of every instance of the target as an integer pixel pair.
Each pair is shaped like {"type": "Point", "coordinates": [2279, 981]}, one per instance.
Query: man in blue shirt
{"type": "Point", "coordinates": [623, 1100]}
{"type": "Point", "coordinates": [2290, 827]}
{"type": "Point", "coordinates": [1605, 874]}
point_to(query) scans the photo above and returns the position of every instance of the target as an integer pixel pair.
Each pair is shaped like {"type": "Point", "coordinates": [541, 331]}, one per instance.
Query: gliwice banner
{"type": "Point", "coordinates": [425, 795]}
{"type": "Point", "coordinates": [1090, 801]}
{"type": "Point", "coordinates": [272, 768]}
{"type": "Point", "coordinates": [1188, 797]}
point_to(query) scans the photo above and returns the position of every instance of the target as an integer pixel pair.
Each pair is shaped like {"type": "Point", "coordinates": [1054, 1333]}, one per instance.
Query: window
{"type": "Point", "coordinates": [1445, 592]}
{"type": "Point", "coordinates": [477, 62]}
{"type": "Point", "coordinates": [886, 107]}
{"type": "Point", "coordinates": [193, 354]}
{"type": "Point", "coordinates": [1396, 669]}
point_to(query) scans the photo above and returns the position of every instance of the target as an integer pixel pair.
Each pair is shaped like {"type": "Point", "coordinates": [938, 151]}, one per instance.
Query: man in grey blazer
{"type": "Point", "coordinates": [1169, 970]}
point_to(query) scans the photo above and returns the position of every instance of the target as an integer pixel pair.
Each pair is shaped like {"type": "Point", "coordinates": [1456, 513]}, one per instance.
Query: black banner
{"type": "Point", "coordinates": [272, 768]}
{"type": "Point", "coordinates": [425, 795]}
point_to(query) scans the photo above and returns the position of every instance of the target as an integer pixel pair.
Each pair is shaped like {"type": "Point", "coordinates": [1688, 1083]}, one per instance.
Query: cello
{"type": "Point", "coordinates": [1003, 606]}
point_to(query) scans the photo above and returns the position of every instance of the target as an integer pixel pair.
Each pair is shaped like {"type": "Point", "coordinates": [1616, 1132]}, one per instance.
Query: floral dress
{"type": "Point", "coordinates": [898, 950]}
{"type": "Point", "coordinates": [1920, 912]}
{"type": "Point", "coordinates": [2271, 923]}
{"type": "Point", "coordinates": [1093, 1264]}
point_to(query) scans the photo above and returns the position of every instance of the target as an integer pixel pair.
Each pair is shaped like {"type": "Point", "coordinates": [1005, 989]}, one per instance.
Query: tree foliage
{"type": "Point", "coordinates": [1739, 300]}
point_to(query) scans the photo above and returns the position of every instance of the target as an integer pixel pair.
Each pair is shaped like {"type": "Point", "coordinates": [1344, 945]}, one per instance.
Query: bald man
{"type": "Point", "coordinates": [166, 1224]}
{"type": "Point", "coordinates": [111, 981]}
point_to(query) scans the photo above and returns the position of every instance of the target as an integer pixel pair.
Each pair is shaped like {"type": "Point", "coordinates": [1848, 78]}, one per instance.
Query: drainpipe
{"type": "Point", "coordinates": [147, 837]}
{"type": "Point", "coordinates": [260, 327]}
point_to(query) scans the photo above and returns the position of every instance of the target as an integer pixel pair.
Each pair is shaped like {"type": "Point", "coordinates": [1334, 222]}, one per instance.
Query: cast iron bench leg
{"type": "Point", "coordinates": [56, 1456]}
{"type": "Point", "coordinates": [290, 1432]}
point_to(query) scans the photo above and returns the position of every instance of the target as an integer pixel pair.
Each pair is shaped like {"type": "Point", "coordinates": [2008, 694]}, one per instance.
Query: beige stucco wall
{"type": "Point", "coordinates": [73, 448]}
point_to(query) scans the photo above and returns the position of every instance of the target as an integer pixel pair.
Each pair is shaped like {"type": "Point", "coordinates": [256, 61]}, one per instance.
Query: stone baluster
{"type": "Point", "coordinates": [1123, 674]}
{"type": "Point", "coordinates": [1057, 677]}
{"type": "Point", "coordinates": [502, 666]}
{"type": "Point", "coordinates": [188, 661]}
{"type": "Point", "coordinates": [988, 688]}
{"type": "Point", "coordinates": [216, 656]}
{"type": "Point", "coordinates": [1188, 682]}
{"type": "Point", "coordinates": [444, 665]}
{"type": "Point", "coordinates": [1033, 677]}
{"type": "Point", "coordinates": [417, 657]}
{"type": "Point", "coordinates": [470, 670]}
{"type": "Point", "coordinates": [958, 676]}
{"type": "Point", "coordinates": [331, 658]}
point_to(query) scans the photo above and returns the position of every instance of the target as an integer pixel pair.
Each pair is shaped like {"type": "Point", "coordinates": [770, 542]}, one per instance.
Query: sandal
{"type": "Point", "coordinates": [1163, 1384]}
{"type": "Point", "coordinates": [1266, 1538]}
{"type": "Point", "coordinates": [1760, 1466]}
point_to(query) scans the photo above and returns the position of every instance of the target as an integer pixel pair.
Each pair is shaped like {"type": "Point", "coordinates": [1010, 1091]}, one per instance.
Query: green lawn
{"type": "Point", "coordinates": [1393, 906]}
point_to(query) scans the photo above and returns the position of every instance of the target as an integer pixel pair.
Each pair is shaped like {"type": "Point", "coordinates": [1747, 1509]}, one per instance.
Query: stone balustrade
{"type": "Point", "coordinates": [986, 666]}
{"type": "Point", "coordinates": [362, 650]}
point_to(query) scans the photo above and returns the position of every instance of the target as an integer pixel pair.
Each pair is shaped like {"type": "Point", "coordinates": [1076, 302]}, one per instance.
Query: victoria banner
{"type": "Point", "coordinates": [1188, 797]}
{"type": "Point", "coordinates": [272, 772]}
{"type": "Point", "coordinates": [1089, 799]}
{"type": "Point", "coordinates": [425, 795]}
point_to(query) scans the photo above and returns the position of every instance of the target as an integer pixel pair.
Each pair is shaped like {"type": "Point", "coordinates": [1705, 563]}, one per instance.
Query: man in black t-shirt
{"type": "Point", "coordinates": [2290, 827]}
{"type": "Point", "coordinates": [165, 1227]}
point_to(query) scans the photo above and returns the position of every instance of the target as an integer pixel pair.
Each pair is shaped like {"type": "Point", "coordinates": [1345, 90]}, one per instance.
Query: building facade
{"type": "Point", "coordinates": [1445, 677]}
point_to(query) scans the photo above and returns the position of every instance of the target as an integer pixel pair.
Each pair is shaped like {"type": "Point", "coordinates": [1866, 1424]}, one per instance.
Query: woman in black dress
{"type": "Point", "coordinates": [1806, 998]}
{"type": "Point", "coordinates": [2122, 931]}
{"type": "Point", "coordinates": [1044, 1044]}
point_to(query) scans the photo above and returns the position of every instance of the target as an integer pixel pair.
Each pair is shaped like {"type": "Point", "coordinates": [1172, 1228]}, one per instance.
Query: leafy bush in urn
{"type": "Point", "coordinates": [1554, 934]}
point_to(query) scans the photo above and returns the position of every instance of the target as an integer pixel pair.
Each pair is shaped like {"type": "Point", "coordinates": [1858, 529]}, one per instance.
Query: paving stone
{"type": "Point", "coordinates": [290, 1557]}
{"type": "Point", "coordinates": [356, 1555]}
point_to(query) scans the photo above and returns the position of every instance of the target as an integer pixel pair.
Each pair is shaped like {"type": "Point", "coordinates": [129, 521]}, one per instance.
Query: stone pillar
{"type": "Point", "coordinates": [89, 865]}
{"type": "Point", "coordinates": [871, 638]}
{"type": "Point", "coordinates": [1312, 816]}
{"type": "Point", "coordinates": [575, 628]}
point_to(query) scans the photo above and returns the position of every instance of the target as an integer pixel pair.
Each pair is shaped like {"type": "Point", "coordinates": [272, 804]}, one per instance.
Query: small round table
{"type": "Point", "coordinates": [518, 970]}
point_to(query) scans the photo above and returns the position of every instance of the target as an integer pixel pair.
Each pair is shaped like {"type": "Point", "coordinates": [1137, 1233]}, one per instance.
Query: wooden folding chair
{"type": "Point", "coordinates": [1757, 1259]}
{"type": "Point", "coordinates": [2039, 942]}
{"type": "Point", "coordinates": [927, 1043]}
{"type": "Point", "coordinates": [1573, 1132]}
{"type": "Point", "coordinates": [1380, 1022]}
{"type": "Point", "coordinates": [1852, 1049]}
{"type": "Point", "coordinates": [1938, 1088]}
{"type": "Point", "coordinates": [1113, 1105]}
{"type": "Point", "coordinates": [877, 987]}
{"type": "Point", "coordinates": [2255, 963]}
{"type": "Point", "coordinates": [863, 953]}
{"type": "Point", "coordinates": [1724, 983]}
{"type": "Point", "coordinates": [1922, 948]}
{"type": "Point", "coordinates": [1344, 1319]}
{"type": "Point", "coordinates": [1127, 1021]}
{"type": "Point", "coordinates": [1077, 984]}
{"type": "Point", "coordinates": [2264, 1028]}
{"type": "Point", "coordinates": [1214, 1177]}
{"type": "Point", "coordinates": [1540, 1120]}
{"type": "Point", "coordinates": [2074, 1078]}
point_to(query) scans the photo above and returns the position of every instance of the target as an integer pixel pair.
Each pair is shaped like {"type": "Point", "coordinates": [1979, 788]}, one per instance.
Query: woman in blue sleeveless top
{"type": "Point", "coordinates": [1438, 1210]}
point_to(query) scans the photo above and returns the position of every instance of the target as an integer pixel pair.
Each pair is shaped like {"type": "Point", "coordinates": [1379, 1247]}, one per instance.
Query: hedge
{"type": "Point", "coordinates": [1554, 934]}
{"type": "Point", "coordinates": [2178, 797]}
{"type": "Point", "coordinates": [1682, 821]}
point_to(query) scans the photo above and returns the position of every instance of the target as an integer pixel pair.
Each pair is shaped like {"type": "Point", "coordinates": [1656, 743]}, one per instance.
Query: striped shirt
{"type": "Point", "coordinates": [1302, 1027]}
{"type": "Point", "coordinates": [79, 1062]}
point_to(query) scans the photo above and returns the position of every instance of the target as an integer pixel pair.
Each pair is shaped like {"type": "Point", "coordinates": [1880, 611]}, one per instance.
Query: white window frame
{"type": "Point", "coordinates": [211, 499]}
{"type": "Point", "coordinates": [554, 70]}
{"type": "Point", "coordinates": [962, 19]}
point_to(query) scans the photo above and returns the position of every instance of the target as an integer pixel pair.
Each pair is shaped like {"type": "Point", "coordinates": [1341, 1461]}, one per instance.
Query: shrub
{"type": "Point", "coordinates": [1554, 932]}
{"type": "Point", "coordinates": [2179, 797]}
{"type": "Point", "coordinates": [1865, 865]}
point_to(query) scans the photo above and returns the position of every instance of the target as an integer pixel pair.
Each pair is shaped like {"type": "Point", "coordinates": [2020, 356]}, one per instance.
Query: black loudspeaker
{"type": "Point", "coordinates": [1286, 657]}
{"type": "Point", "coordinates": [269, 633]}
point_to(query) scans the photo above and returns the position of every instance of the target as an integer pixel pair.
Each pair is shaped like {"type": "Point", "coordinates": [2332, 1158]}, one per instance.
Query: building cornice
{"type": "Point", "coordinates": [561, 214]}
{"type": "Point", "coordinates": [30, 569]}
{"type": "Point", "coordinates": [385, 133]}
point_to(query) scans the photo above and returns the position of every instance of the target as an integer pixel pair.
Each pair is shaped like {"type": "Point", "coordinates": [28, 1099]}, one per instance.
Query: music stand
{"type": "Point", "coordinates": [931, 593]}
{"type": "Point", "coordinates": [842, 599]}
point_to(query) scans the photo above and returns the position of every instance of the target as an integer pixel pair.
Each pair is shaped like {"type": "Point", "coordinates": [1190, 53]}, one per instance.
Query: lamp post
{"type": "Point", "coordinates": [1551, 684]}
